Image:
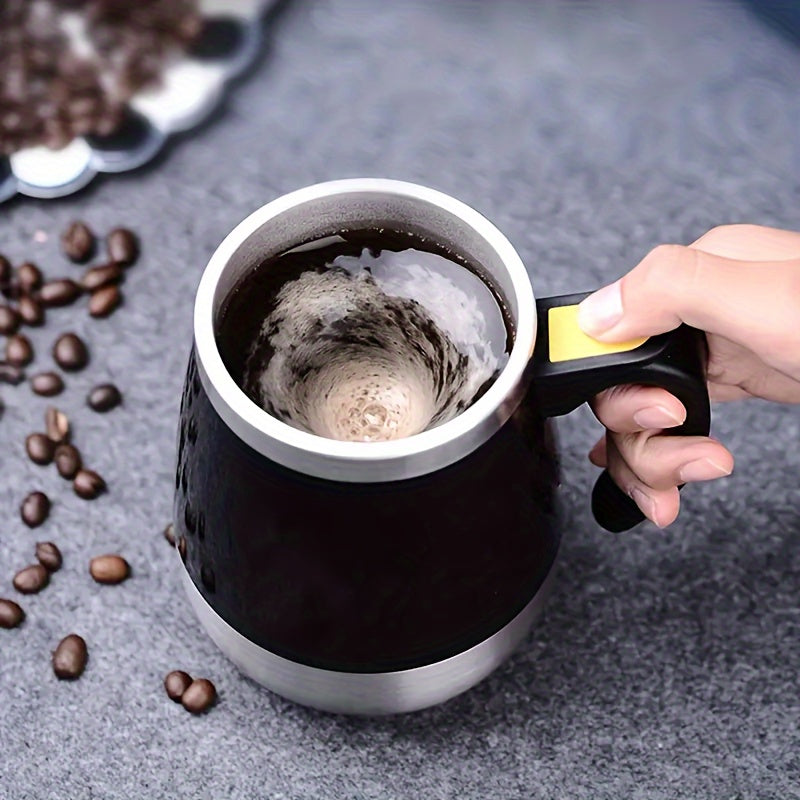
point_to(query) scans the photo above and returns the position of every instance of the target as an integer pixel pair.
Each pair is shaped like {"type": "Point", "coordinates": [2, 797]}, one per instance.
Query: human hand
{"type": "Point", "coordinates": [741, 285]}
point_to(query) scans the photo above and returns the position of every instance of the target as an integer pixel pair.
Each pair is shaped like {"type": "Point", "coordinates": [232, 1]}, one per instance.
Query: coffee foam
{"type": "Point", "coordinates": [375, 348]}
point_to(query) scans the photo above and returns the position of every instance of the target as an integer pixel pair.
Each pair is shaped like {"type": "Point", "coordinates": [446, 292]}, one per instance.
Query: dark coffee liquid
{"type": "Point", "coordinates": [365, 335]}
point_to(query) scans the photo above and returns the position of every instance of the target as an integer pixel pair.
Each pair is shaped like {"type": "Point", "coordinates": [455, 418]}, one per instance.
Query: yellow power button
{"type": "Point", "coordinates": [568, 341]}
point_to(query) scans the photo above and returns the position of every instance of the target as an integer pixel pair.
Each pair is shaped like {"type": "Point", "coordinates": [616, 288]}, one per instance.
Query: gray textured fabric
{"type": "Point", "coordinates": [666, 663]}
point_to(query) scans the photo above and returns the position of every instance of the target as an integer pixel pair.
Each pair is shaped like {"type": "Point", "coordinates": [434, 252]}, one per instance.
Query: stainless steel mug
{"type": "Point", "coordinates": [383, 577]}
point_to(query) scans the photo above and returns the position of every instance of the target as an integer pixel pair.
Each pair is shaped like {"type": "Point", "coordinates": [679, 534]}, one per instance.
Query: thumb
{"type": "Point", "coordinates": [754, 304]}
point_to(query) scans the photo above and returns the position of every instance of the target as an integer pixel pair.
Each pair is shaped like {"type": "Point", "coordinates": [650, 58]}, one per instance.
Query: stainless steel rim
{"type": "Point", "coordinates": [374, 461]}
{"type": "Point", "coordinates": [375, 693]}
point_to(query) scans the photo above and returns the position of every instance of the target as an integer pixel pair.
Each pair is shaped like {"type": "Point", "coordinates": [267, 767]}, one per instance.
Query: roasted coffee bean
{"type": "Point", "coordinates": [169, 534]}
{"type": "Point", "coordinates": [60, 292]}
{"type": "Point", "coordinates": [10, 373]}
{"type": "Point", "coordinates": [97, 277]}
{"type": "Point", "coordinates": [11, 614]}
{"type": "Point", "coordinates": [176, 684]}
{"type": "Point", "coordinates": [69, 658]}
{"type": "Point", "coordinates": [70, 352]}
{"type": "Point", "coordinates": [122, 246]}
{"type": "Point", "coordinates": [56, 425]}
{"type": "Point", "coordinates": [78, 242]}
{"type": "Point", "coordinates": [199, 696]}
{"type": "Point", "coordinates": [49, 556]}
{"type": "Point", "coordinates": [88, 484]}
{"type": "Point", "coordinates": [34, 509]}
{"type": "Point", "coordinates": [29, 277]}
{"type": "Point", "coordinates": [104, 300]}
{"type": "Point", "coordinates": [39, 448]}
{"type": "Point", "coordinates": [19, 350]}
{"type": "Point", "coordinates": [5, 271]}
{"type": "Point", "coordinates": [9, 320]}
{"type": "Point", "coordinates": [104, 397]}
{"type": "Point", "coordinates": [31, 579]}
{"type": "Point", "coordinates": [68, 460]}
{"type": "Point", "coordinates": [30, 310]}
{"type": "Point", "coordinates": [47, 384]}
{"type": "Point", "coordinates": [109, 569]}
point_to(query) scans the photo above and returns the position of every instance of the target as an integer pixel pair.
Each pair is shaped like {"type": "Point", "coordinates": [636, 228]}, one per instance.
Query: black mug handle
{"type": "Point", "coordinates": [569, 367]}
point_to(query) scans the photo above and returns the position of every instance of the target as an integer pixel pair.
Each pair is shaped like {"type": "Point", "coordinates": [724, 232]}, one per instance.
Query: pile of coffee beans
{"type": "Point", "coordinates": [196, 695]}
{"type": "Point", "coordinates": [67, 67]}
{"type": "Point", "coordinates": [28, 295]}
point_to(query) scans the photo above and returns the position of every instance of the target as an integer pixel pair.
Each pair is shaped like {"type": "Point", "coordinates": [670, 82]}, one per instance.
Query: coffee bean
{"type": "Point", "coordinates": [69, 658]}
{"type": "Point", "coordinates": [68, 460]}
{"type": "Point", "coordinates": [11, 613]}
{"type": "Point", "coordinates": [49, 556]}
{"type": "Point", "coordinates": [122, 246]}
{"type": "Point", "coordinates": [104, 397]}
{"type": "Point", "coordinates": [88, 484]}
{"type": "Point", "coordinates": [35, 509]}
{"type": "Point", "coordinates": [97, 277]}
{"type": "Point", "coordinates": [10, 373]}
{"type": "Point", "coordinates": [109, 569]}
{"type": "Point", "coordinates": [176, 684]}
{"type": "Point", "coordinates": [47, 384]}
{"type": "Point", "coordinates": [31, 579]}
{"type": "Point", "coordinates": [199, 696]}
{"type": "Point", "coordinates": [60, 292]}
{"type": "Point", "coordinates": [19, 351]}
{"type": "Point", "coordinates": [29, 277]}
{"type": "Point", "coordinates": [56, 425]}
{"type": "Point", "coordinates": [104, 300]}
{"type": "Point", "coordinates": [9, 320]}
{"type": "Point", "coordinates": [169, 534]}
{"type": "Point", "coordinates": [5, 271]}
{"type": "Point", "coordinates": [39, 448]}
{"type": "Point", "coordinates": [78, 242]}
{"type": "Point", "coordinates": [30, 310]}
{"type": "Point", "coordinates": [70, 352]}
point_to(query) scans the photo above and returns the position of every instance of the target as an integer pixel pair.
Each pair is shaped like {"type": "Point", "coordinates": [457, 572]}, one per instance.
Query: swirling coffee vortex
{"type": "Point", "coordinates": [374, 346]}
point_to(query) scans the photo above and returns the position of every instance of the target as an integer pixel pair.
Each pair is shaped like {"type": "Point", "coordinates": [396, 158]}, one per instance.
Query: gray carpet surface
{"type": "Point", "coordinates": [666, 663]}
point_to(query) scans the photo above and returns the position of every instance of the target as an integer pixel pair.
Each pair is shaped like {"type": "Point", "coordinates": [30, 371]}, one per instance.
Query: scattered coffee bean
{"type": "Point", "coordinates": [35, 509]}
{"type": "Point", "coordinates": [60, 292]}
{"type": "Point", "coordinates": [47, 384]}
{"type": "Point", "coordinates": [49, 556]}
{"type": "Point", "coordinates": [9, 320]}
{"type": "Point", "coordinates": [30, 310]}
{"type": "Point", "coordinates": [169, 534]}
{"type": "Point", "coordinates": [31, 579]}
{"type": "Point", "coordinates": [78, 242]}
{"type": "Point", "coordinates": [19, 351]}
{"type": "Point", "coordinates": [88, 484]}
{"type": "Point", "coordinates": [56, 425]}
{"type": "Point", "coordinates": [10, 373]}
{"type": "Point", "coordinates": [109, 569]}
{"type": "Point", "coordinates": [104, 397]}
{"type": "Point", "coordinates": [5, 271]}
{"type": "Point", "coordinates": [97, 277]}
{"type": "Point", "coordinates": [122, 246]}
{"type": "Point", "coordinates": [104, 300]}
{"type": "Point", "coordinates": [199, 696]}
{"type": "Point", "coordinates": [29, 277]}
{"type": "Point", "coordinates": [69, 658]}
{"type": "Point", "coordinates": [39, 448]}
{"type": "Point", "coordinates": [11, 614]}
{"type": "Point", "coordinates": [70, 352]}
{"type": "Point", "coordinates": [176, 684]}
{"type": "Point", "coordinates": [68, 460]}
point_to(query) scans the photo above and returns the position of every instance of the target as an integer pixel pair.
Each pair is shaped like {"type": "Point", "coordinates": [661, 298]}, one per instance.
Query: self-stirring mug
{"type": "Point", "coordinates": [382, 577]}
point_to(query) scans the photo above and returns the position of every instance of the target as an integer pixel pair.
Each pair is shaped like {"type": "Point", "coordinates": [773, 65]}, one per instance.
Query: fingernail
{"type": "Point", "coordinates": [656, 417]}
{"type": "Point", "coordinates": [645, 503]}
{"type": "Point", "coordinates": [601, 310]}
{"type": "Point", "coordinates": [703, 469]}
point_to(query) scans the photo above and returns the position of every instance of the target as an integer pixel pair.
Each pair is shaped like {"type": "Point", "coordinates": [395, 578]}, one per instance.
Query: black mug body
{"type": "Point", "coordinates": [375, 597]}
